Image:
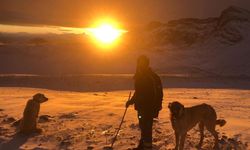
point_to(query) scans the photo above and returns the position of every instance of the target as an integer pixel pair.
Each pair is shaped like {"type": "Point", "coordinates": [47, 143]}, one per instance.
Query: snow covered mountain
{"type": "Point", "coordinates": [217, 45]}
{"type": "Point", "coordinates": [231, 27]}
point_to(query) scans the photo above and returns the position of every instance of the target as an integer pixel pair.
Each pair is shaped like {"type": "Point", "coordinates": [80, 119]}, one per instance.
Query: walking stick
{"type": "Point", "coordinates": [120, 124]}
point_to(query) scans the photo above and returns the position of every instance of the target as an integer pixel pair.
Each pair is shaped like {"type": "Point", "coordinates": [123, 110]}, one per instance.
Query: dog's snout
{"type": "Point", "coordinates": [46, 98]}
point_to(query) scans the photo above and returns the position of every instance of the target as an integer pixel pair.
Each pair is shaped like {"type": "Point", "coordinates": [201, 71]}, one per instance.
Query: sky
{"type": "Point", "coordinates": [82, 13]}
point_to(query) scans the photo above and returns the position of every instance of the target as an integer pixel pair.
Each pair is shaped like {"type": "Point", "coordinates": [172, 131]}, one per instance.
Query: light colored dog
{"type": "Point", "coordinates": [183, 119]}
{"type": "Point", "coordinates": [28, 123]}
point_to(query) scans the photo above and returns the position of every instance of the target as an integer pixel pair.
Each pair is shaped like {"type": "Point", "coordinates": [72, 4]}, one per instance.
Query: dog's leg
{"type": "Point", "coordinates": [211, 129]}
{"type": "Point", "coordinates": [201, 126]}
{"type": "Point", "coordinates": [182, 141]}
{"type": "Point", "coordinates": [177, 140]}
{"type": "Point", "coordinates": [215, 134]}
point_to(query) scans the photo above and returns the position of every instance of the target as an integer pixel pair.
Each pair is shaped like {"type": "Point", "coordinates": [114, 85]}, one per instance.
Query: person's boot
{"type": "Point", "coordinates": [147, 146]}
{"type": "Point", "coordinates": [144, 146]}
{"type": "Point", "coordinates": [140, 146]}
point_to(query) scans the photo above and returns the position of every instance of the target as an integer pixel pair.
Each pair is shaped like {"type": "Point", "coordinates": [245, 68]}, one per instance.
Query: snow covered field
{"type": "Point", "coordinates": [81, 120]}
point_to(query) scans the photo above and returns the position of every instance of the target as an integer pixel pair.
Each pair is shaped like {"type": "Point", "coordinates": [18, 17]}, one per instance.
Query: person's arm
{"type": "Point", "coordinates": [131, 101]}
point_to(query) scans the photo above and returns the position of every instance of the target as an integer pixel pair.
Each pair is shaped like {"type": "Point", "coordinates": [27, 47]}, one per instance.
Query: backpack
{"type": "Point", "coordinates": [158, 90]}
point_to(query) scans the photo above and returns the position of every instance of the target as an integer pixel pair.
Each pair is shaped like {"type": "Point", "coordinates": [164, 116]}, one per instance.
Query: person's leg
{"type": "Point", "coordinates": [140, 145]}
{"type": "Point", "coordinates": [147, 123]}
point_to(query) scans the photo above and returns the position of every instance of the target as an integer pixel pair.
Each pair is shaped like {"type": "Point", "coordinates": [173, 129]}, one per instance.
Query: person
{"type": "Point", "coordinates": [147, 100]}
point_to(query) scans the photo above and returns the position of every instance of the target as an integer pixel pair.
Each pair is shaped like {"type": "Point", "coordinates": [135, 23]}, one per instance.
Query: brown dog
{"type": "Point", "coordinates": [28, 123]}
{"type": "Point", "coordinates": [183, 119]}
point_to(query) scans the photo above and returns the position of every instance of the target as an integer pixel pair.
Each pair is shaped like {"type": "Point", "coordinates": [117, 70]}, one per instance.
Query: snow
{"type": "Point", "coordinates": [89, 119]}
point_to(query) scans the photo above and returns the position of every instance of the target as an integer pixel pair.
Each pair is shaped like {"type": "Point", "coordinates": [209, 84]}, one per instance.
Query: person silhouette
{"type": "Point", "coordinates": [147, 100]}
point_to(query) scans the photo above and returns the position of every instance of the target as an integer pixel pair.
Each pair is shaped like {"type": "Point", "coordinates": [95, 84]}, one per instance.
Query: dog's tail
{"type": "Point", "coordinates": [221, 122]}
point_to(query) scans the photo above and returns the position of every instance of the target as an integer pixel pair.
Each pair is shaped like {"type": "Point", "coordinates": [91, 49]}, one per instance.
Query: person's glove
{"type": "Point", "coordinates": [128, 103]}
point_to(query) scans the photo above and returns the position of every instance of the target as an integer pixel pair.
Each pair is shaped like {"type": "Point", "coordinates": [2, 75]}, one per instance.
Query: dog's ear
{"type": "Point", "coordinates": [181, 111]}
{"type": "Point", "coordinates": [169, 105]}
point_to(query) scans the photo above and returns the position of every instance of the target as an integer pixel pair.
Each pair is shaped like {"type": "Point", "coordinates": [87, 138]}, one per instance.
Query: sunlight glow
{"type": "Point", "coordinates": [40, 29]}
{"type": "Point", "coordinates": [105, 33]}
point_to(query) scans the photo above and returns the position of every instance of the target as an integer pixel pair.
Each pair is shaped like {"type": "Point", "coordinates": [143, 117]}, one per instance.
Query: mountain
{"type": "Point", "coordinates": [231, 27]}
{"type": "Point", "coordinates": [218, 45]}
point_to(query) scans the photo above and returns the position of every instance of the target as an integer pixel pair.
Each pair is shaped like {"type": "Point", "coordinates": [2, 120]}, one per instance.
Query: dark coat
{"type": "Point", "coordinates": [148, 93]}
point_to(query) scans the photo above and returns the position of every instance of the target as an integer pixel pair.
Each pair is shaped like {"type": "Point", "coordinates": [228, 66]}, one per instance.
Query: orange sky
{"type": "Point", "coordinates": [81, 13]}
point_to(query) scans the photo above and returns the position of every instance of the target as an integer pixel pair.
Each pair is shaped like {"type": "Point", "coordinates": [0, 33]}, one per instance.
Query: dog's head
{"type": "Point", "coordinates": [40, 98]}
{"type": "Point", "coordinates": [176, 109]}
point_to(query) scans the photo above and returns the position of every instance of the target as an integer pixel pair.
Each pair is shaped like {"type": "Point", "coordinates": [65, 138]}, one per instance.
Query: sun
{"type": "Point", "coordinates": [105, 33]}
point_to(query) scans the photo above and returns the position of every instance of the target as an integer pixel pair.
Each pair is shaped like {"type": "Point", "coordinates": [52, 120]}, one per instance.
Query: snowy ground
{"type": "Point", "coordinates": [89, 119]}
